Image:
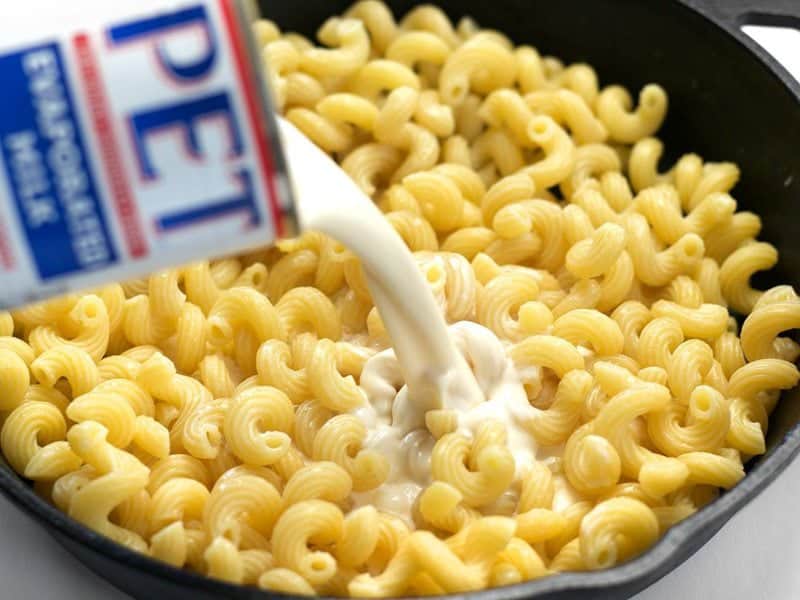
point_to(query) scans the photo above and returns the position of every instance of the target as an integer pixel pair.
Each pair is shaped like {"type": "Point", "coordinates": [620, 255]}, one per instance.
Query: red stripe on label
{"type": "Point", "coordinates": [6, 257]}
{"type": "Point", "coordinates": [112, 158]}
{"type": "Point", "coordinates": [250, 87]}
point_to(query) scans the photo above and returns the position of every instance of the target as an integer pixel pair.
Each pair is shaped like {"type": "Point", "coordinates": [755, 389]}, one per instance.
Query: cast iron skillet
{"type": "Point", "coordinates": [728, 101]}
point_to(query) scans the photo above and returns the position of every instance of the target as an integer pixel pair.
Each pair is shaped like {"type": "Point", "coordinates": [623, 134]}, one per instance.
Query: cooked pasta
{"type": "Point", "coordinates": [230, 416]}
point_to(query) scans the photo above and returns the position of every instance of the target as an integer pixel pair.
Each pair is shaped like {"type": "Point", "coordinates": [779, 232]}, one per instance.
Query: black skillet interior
{"type": "Point", "coordinates": [728, 101]}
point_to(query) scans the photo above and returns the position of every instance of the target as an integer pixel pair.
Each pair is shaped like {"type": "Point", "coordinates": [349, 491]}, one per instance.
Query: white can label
{"type": "Point", "coordinates": [131, 145]}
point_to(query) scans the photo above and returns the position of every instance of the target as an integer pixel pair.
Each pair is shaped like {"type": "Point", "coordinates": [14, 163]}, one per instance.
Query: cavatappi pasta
{"type": "Point", "coordinates": [208, 416]}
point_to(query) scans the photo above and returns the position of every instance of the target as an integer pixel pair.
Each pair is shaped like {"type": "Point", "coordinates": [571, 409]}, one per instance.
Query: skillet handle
{"type": "Point", "coordinates": [737, 13]}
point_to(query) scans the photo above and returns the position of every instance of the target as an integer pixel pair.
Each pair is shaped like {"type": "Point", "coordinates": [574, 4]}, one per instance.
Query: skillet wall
{"type": "Point", "coordinates": [724, 103]}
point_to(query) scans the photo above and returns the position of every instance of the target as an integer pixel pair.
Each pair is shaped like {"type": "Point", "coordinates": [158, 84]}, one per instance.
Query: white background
{"type": "Point", "coordinates": [755, 557]}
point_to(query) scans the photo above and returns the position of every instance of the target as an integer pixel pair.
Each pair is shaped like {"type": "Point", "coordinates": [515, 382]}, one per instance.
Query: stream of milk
{"type": "Point", "coordinates": [430, 366]}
